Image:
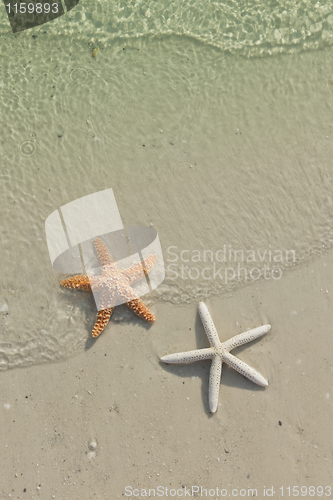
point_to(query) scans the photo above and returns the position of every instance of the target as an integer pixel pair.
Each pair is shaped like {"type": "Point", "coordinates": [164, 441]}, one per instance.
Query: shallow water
{"type": "Point", "coordinates": [248, 28]}
{"type": "Point", "coordinates": [220, 153]}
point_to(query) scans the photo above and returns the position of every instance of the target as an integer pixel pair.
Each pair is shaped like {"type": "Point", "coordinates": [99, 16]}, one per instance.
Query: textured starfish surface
{"type": "Point", "coordinates": [114, 286]}
{"type": "Point", "coordinates": [219, 353]}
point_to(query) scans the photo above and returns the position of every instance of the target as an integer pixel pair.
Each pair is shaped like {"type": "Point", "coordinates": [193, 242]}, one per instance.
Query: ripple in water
{"type": "Point", "coordinates": [253, 28]}
{"type": "Point", "coordinates": [28, 148]}
{"type": "Point", "coordinates": [79, 75]}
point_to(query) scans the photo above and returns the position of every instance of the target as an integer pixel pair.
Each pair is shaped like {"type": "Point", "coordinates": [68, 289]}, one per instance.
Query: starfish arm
{"type": "Point", "coordinates": [244, 338]}
{"type": "Point", "coordinates": [244, 369]}
{"type": "Point", "coordinates": [209, 325]}
{"type": "Point", "coordinates": [137, 271]}
{"type": "Point", "coordinates": [80, 282]}
{"type": "Point", "coordinates": [214, 383]}
{"type": "Point", "coordinates": [141, 310]}
{"type": "Point", "coordinates": [103, 317]}
{"type": "Point", "coordinates": [96, 283]}
{"type": "Point", "coordinates": [102, 251]}
{"type": "Point", "coordinates": [189, 356]}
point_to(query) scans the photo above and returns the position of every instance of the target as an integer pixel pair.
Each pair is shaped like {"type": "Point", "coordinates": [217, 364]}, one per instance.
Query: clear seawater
{"type": "Point", "coordinates": [211, 121]}
{"type": "Point", "coordinates": [250, 28]}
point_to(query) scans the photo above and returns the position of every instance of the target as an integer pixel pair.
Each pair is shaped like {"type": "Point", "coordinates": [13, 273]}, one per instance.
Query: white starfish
{"type": "Point", "coordinates": [219, 353]}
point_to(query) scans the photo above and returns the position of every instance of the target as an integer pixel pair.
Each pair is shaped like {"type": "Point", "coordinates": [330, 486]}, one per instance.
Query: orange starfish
{"type": "Point", "coordinates": [114, 286]}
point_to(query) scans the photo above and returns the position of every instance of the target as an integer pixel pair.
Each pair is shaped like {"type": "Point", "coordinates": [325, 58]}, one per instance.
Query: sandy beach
{"type": "Point", "coordinates": [214, 151]}
{"type": "Point", "coordinates": [113, 417]}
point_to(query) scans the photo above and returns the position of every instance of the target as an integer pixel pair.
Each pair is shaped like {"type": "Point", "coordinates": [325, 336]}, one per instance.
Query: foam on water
{"type": "Point", "coordinates": [249, 28]}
